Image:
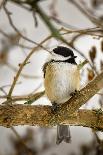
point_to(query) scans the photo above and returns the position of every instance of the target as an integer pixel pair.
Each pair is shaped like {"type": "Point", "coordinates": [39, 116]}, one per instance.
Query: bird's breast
{"type": "Point", "coordinates": [60, 80]}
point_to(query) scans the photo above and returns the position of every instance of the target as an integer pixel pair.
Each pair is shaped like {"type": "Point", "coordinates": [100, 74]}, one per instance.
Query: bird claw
{"type": "Point", "coordinates": [54, 107]}
{"type": "Point", "coordinates": [74, 93]}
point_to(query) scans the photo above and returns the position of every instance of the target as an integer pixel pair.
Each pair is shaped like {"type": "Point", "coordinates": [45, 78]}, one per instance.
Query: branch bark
{"type": "Point", "coordinates": [41, 115]}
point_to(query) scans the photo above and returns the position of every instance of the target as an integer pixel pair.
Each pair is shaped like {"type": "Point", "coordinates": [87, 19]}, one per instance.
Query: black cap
{"type": "Point", "coordinates": [64, 51]}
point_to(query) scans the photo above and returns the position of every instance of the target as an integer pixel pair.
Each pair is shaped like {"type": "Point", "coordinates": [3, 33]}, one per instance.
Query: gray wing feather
{"type": "Point", "coordinates": [44, 68]}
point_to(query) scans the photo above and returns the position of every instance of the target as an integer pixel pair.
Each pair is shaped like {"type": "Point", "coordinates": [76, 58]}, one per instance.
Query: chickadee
{"type": "Point", "coordinates": [61, 79]}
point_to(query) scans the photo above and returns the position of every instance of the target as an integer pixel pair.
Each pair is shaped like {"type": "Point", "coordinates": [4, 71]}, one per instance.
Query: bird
{"type": "Point", "coordinates": [61, 81]}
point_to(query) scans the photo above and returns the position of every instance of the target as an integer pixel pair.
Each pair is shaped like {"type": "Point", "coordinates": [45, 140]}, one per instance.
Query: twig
{"type": "Point", "coordinates": [2, 3]}
{"type": "Point", "coordinates": [22, 141]}
{"type": "Point", "coordinates": [34, 97]}
{"type": "Point", "coordinates": [35, 19]}
{"type": "Point", "coordinates": [14, 27]}
{"type": "Point", "coordinates": [87, 30]}
{"type": "Point", "coordinates": [81, 33]}
{"type": "Point", "coordinates": [20, 4]}
{"type": "Point", "coordinates": [29, 98]}
{"type": "Point", "coordinates": [57, 20]}
{"type": "Point", "coordinates": [16, 44]}
{"type": "Point", "coordinates": [80, 66]}
{"type": "Point", "coordinates": [22, 74]}
{"type": "Point", "coordinates": [2, 89]}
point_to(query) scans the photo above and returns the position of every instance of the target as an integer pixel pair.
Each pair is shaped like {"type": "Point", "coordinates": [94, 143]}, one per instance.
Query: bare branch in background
{"type": "Point", "coordinates": [22, 141]}
{"type": "Point", "coordinates": [27, 76]}
{"type": "Point", "coordinates": [14, 27]}
{"type": "Point", "coordinates": [35, 19]}
{"type": "Point", "coordinates": [2, 3]}
{"type": "Point", "coordinates": [14, 39]}
{"type": "Point", "coordinates": [87, 13]}
{"type": "Point", "coordinates": [28, 98]}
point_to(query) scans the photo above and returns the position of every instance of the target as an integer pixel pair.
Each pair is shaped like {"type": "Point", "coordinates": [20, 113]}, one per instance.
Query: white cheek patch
{"type": "Point", "coordinates": [59, 57]}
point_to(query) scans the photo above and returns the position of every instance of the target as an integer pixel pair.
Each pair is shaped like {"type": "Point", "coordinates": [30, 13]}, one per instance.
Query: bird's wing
{"type": "Point", "coordinates": [44, 68]}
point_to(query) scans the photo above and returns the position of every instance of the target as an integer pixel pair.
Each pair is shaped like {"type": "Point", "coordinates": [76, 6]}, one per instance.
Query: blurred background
{"type": "Point", "coordinates": [21, 28]}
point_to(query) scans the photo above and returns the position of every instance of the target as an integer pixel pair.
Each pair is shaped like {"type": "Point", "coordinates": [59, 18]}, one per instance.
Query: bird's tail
{"type": "Point", "coordinates": [63, 134]}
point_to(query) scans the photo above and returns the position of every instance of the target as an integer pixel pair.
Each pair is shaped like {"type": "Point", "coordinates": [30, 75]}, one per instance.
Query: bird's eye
{"type": "Point", "coordinates": [74, 57]}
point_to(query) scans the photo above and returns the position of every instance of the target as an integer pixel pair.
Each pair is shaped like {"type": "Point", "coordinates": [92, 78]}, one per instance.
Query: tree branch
{"type": "Point", "coordinates": [42, 115]}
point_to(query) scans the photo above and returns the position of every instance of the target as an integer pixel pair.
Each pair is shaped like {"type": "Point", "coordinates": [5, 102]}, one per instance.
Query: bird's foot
{"type": "Point", "coordinates": [55, 107]}
{"type": "Point", "coordinates": [74, 93]}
